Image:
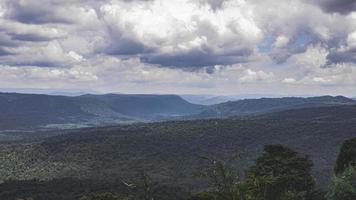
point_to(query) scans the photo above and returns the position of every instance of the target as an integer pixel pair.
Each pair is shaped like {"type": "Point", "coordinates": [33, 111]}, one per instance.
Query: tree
{"type": "Point", "coordinates": [344, 182]}
{"type": "Point", "coordinates": [346, 157]}
{"type": "Point", "coordinates": [280, 174]}
{"type": "Point", "coordinates": [224, 180]}
{"type": "Point", "coordinates": [344, 186]}
{"type": "Point", "coordinates": [145, 188]}
{"type": "Point", "coordinates": [105, 196]}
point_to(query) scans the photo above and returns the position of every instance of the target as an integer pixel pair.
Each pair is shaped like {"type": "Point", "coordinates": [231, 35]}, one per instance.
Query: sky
{"type": "Point", "coordinates": [218, 47]}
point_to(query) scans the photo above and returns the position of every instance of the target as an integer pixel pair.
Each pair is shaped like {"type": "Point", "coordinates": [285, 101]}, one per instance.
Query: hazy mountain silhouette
{"type": "Point", "coordinates": [23, 111]}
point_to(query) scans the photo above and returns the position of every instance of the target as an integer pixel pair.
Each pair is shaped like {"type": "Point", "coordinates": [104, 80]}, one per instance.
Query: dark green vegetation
{"type": "Point", "coordinates": [30, 111]}
{"type": "Point", "coordinates": [74, 189]}
{"type": "Point", "coordinates": [278, 174]}
{"type": "Point", "coordinates": [344, 183]}
{"type": "Point", "coordinates": [347, 156]}
{"type": "Point", "coordinates": [101, 159]}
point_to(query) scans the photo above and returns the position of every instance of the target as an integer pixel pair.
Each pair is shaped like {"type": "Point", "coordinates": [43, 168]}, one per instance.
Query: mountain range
{"type": "Point", "coordinates": [266, 105]}
{"type": "Point", "coordinates": [38, 111]}
{"type": "Point", "coordinates": [28, 111]}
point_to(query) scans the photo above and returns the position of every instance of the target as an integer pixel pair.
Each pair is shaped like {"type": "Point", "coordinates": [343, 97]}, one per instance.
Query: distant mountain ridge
{"type": "Point", "coordinates": [146, 105]}
{"type": "Point", "coordinates": [24, 111]}
{"type": "Point", "coordinates": [38, 111]}
{"type": "Point", "coordinates": [208, 99]}
{"type": "Point", "coordinates": [266, 105]}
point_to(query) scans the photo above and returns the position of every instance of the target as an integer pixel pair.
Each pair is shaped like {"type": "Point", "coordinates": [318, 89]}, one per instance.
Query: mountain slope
{"type": "Point", "coordinates": [266, 105]}
{"type": "Point", "coordinates": [30, 111]}
{"type": "Point", "coordinates": [169, 150]}
{"type": "Point", "coordinates": [208, 99]}
{"type": "Point", "coordinates": [27, 111]}
{"type": "Point", "coordinates": [147, 106]}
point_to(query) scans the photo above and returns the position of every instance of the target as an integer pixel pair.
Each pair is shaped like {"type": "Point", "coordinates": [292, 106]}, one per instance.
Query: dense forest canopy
{"type": "Point", "coordinates": [108, 159]}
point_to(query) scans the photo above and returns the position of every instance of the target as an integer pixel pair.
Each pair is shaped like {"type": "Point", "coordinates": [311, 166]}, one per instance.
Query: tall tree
{"type": "Point", "coordinates": [347, 156]}
{"type": "Point", "coordinates": [344, 186]}
{"type": "Point", "coordinates": [280, 174]}
{"type": "Point", "coordinates": [224, 180]}
{"type": "Point", "coordinates": [344, 183]}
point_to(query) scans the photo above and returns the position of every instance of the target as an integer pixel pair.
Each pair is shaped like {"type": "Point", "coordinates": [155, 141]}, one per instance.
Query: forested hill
{"type": "Point", "coordinates": [267, 105]}
{"type": "Point", "coordinates": [169, 150]}
{"type": "Point", "coordinates": [29, 111]}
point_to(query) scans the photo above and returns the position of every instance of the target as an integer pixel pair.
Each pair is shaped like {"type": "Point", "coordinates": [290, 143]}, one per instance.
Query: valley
{"type": "Point", "coordinates": [166, 145]}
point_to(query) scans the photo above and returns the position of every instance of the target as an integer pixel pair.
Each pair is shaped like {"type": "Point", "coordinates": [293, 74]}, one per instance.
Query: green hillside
{"type": "Point", "coordinates": [169, 150]}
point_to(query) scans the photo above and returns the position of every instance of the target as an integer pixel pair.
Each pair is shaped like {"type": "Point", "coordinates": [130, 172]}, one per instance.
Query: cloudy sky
{"type": "Point", "coordinates": [221, 47]}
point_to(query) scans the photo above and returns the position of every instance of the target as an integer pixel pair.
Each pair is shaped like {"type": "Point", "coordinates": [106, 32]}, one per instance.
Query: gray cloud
{"type": "Point", "coordinates": [196, 59]}
{"type": "Point", "coordinates": [337, 6]}
{"type": "Point", "coordinates": [34, 12]}
{"type": "Point", "coordinates": [123, 46]}
{"type": "Point", "coordinates": [44, 63]}
{"type": "Point", "coordinates": [336, 57]}
{"type": "Point", "coordinates": [214, 4]}
{"type": "Point", "coordinates": [32, 37]}
{"type": "Point", "coordinates": [280, 55]}
{"type": "Point", "coordinates": [6, 41]}
{"type": "Point", "coordinates": [4, 52]}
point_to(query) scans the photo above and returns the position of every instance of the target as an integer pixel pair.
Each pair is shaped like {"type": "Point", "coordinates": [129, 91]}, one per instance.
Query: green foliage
{"type": "Point", "coordinates": [317, 194]}
{"type": "Point", "coordinates": [344, 186]}
{"type": "Point", "coordinates": [344, 183]}
{"type": "Point", "coordinates": [224, 181]}
{"type": "Point", "coordinates": [347, 156]}
{"type": "Point", "coordinates": [279, 174]}
{"type": "Point", "coordinates": [146, 187]}
{"type": "Point", "coordinates": [27, 198]}
{"type": "Point", "coordinates": [73, 189]}
{"type": "Point", "coordinates": [169, 149]}
{"type": "Point", "coordinates": [291, 195]}
{"type": "Point", "coordinates": [105, 196]}
{"type": "Point", "coordinates": [203, 195]}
